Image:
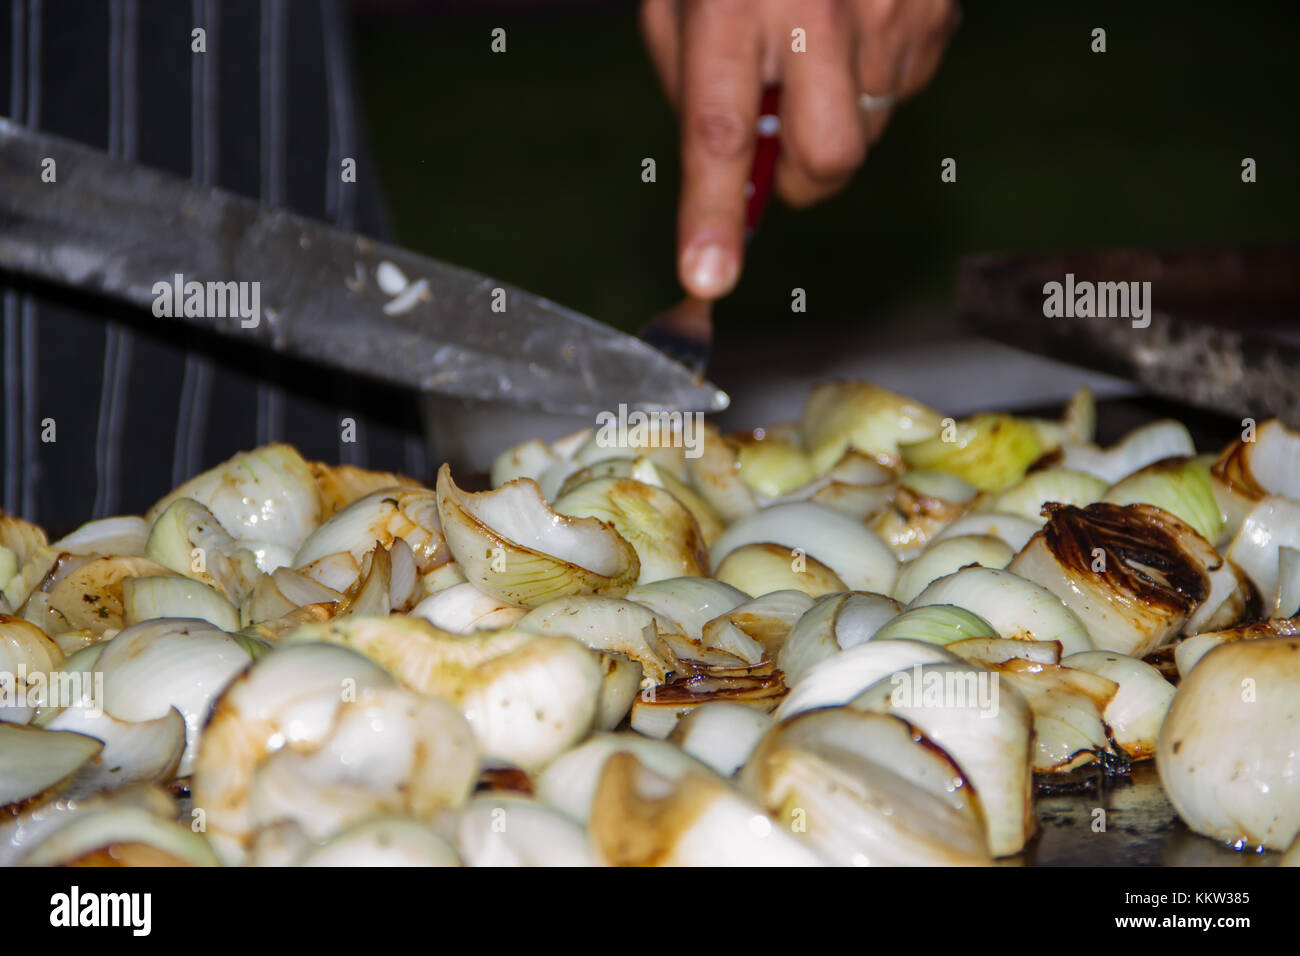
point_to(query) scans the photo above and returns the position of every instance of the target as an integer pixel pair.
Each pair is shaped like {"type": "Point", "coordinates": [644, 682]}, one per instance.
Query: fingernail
{"type": "Point", "coordinates": [710, 269]}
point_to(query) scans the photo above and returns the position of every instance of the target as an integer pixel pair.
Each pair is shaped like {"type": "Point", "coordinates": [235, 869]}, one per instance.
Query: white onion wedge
{"type": "Point", "coordinates": [664, 534]}
{"type": "Point", "coordinates": [35, 761]}
{"type": "Point", "coordinates": [844, 414]}
{"type": "Point", "coordinates": [640, 818]}
{"type": "Point", "coordinates": [527, 696]}
{"type": "Point", "coordinates": [509, 830]}
{"type": "Point", "coordinates": [1017, 608]}
{"type": "Point", "coordinates": [1272, 524]}
{"type": "Point", "coordinates": [767, 620]}
{"type": "Point", "coordinates": [145, 751]}
{"type": "Point", "coordinates": [125, 534]}
{"type": "Point", "coordinates": [1059, 485]}
{"type": "Point", "coordinates": [383, 517]}
{"type": "Point", "coordinates": [187, 538]}
{"type": "Point", "coordinates": [944, 557]}
{"type": "Point", "coordinates": [989, 740]}
{"type": "Point", "coordinates": [1137, 710]}
{"type": "Point", "coordinates": [388, 842]}
{"type": "Point", "coordinates": [146, 598]}
{"type": "Point", "coordinates": [1134, 574]}
{"type": "Point", "coordinates": [116, 835]}
{"type": "Point", "coordinates": [866, 789]}
{"type": "Point", "coordinates": [838, 679]}
{"type": "Point", "coordinates": [690, 602]}
{"type": "Point", "coordinates": [1188, 652]}
{"type": "Point", "coordinates": [610, 625]}
{"type": "Point", "coordinates": [991, 651]}
{"type": "Point", "coordinates": [463, 608]}
{"type": "Point", "coordinates": [152, 667]}
{"type": "Point", "coordinates": [759, 569]}
{"type": "Point", "coordinates": [721, 734]}
{"type": "Point", "coordinates": [509, 543]}
{"type": "Point", "coordinates": [569, 783]}
{"type": "Point", "coordinates": [267, 494]}
{"type": "Point", "coordinates": [1229, 750]}
{"type": "Point", "coordinates": [1068, 704]}
{"type": "Point", "coordinates": [1012, 529]}
{"type": "Point", "coordinates": [935, 624]}
{"type": "Point", "coordinates": [834, 623]}
{"type": "Point", "coordinates": [856, 555]}
{"type": "Point", "coordinates": [1141, 447]}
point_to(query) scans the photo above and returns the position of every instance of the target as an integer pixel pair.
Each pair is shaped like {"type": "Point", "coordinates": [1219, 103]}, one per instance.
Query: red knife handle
{"type": "Point", "coordinates": [766, 149]}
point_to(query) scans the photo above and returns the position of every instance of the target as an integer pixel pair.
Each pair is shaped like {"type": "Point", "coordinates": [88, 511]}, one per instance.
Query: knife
{"type": "Point", "coordinates": [117, 229]}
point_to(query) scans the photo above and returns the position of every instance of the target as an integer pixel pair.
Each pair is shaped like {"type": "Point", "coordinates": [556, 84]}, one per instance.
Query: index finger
{"type": "Point", "coordinates": [721, 88]}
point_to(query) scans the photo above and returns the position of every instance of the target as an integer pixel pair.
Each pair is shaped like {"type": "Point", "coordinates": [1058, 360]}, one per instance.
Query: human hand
{"type": "Point", "coordinates": [715, 56]}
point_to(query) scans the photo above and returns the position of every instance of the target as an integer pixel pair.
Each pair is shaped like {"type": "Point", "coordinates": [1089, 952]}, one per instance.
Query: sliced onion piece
{"type": "Point", "coordinates": [1286, 603]}
{"type": "Point", "coordinates": [935, 624]}
{"type": "Point", "coordinates": [1229, 750]}
{"type": "Point", "coordinates": [569, 783]}
{"type": "Point", "coordinates": [856, 555]}
{"type": "Point", "coordinates": [1137, 710]}
{"type": "Point", "coordinates": [1016, 607]}
{"type": "Point", "coordinates": [151, 597]}
{"type": "Point", "coordinates": [381, 517]}
{"type": "Point", "coordinates": [867, 789]}
{"type": "Point", "coordinates": [1012, 529]}
{"type": "Point", "coordinates": [834, 623]}
{"type": "Point", "coordinates": [610, 625]}
{"type": "Point", "coordinates": [990, 451]}
{"type": "Point", "coordinates": [35, 761]}
{"type": "Point", "coordinates": [508, 830]}
{"type": "Point", "coordinates": [134, 751]}
{"type": "Point", "coordinates": [125, 534]}
{"type": "Point", "coordinates": [837, 680]}
{"type": "Point", "coordinates": [1272, 524]}
{"type": "Point", "coordinates": [288, 698]}
{"type": "Point", "coordinates": [28, 659]}
{"type": "Point", "coordinates": [640, 818]}
{"type": "Point", "coordinates": [527, 697]}
{"type": "Point", "coordinates": [1133, 574]}
{"type": "Point", "coordinates": [267, 494]}
{"type": "Point", "coordinates": [1188, 652]}
{"type": "Point", "coordinates": [1141, 447]}
{"type": "Point", "coordinates": [389, 841]}
{"type": "Point", "coordinates": [766, 620]}
{"type": "Point", "coordinates": [388, 752]}
{"type": "Point", "coordinates": [187, 538]}
{"type": "Point", "coordinates": [509, 543]}
{"type": "Point", "coordinates": [646, 471]}
{"type": "Point", "coordinates": [944, 557]}
{"type": "Point", "coordinates": [991, 651]}
{"type": "Point", "coordinates": [1180, 486]}
{"type": "Point", "coordinates": [154, 666]}
{"type": "Point", "coordinates": [771, 462]}
{"type": "Point", "coordinates": [990, 740]}
{"type": "Point", "coordinates": [117, 835]}
{"type": "Point", "coordinates": [90, 597]}
{"type": "Point", "coordinates": [721, 734]}
{"type": "Point", "coordinates": [664, 534]}
{"type": "Point", "coordinates": [716, 475]}
{"type": "Point", "coordinates": [1068, 704]}
{"type": "Point", "coordinates": [1051, 485]}
{"type": "Point", "coordinates": [690, 602]}
{"type": "Point", "coordinates": [341, 485]}
{"type": "Point", "coordinates": [463, 608]}
{"type": "Point", "coordinates": [760, 569]}
{"type": "Point", "coordinates": [844, 414]}
{"type": "Point", "coordinates": [912, 519]}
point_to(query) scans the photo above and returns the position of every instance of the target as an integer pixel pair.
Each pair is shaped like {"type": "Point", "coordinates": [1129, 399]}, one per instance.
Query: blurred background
{"type": "Point", "coordinates": [526, 165]}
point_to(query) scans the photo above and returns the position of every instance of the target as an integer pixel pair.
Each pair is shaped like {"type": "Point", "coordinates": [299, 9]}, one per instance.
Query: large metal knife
{"type": "Point", "coordinates": [118, 229]}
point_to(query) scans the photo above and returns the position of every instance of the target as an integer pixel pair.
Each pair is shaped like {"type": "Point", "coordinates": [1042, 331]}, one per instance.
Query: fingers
{"type": "Point", "coordinates": [720, 91]}
{"type": "Point", "coordinates": [882, 45]}
{"type": "Point", "coordinates": [823, 135]}
{"type": "Point", "coordinates": [922, 59]}
{"type": "Point", "coordinates": [660, 27]}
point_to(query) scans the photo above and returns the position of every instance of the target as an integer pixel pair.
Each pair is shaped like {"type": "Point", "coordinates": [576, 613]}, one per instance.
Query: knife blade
{"type": "Point", "coordinates": [121, 230]}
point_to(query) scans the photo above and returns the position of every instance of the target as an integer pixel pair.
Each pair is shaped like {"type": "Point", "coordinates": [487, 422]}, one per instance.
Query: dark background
{"type": "Point", "coordinates": [526, 165]}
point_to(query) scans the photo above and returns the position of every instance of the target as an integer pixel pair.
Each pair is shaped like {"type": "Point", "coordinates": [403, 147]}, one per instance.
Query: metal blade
{"type": "Point", "coordinates": [117, 229]}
